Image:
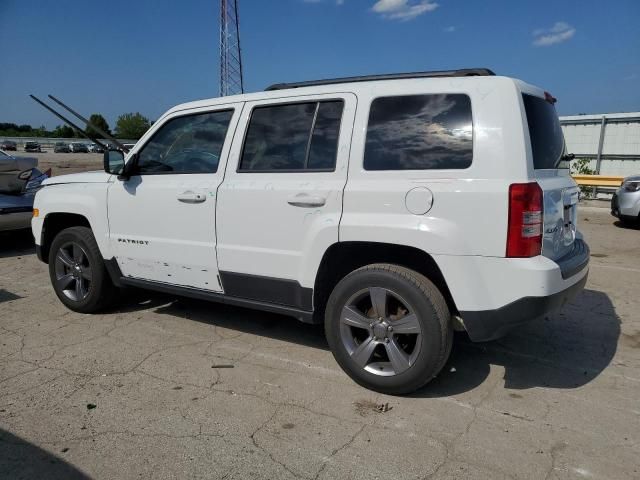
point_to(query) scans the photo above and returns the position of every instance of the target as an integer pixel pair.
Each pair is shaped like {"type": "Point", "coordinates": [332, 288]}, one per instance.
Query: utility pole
{"type": "Point", "coordinates": [231, 82]}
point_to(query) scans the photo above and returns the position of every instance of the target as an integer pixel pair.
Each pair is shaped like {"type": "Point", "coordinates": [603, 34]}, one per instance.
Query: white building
{"type": "Point", "coordinates": [610, 140]}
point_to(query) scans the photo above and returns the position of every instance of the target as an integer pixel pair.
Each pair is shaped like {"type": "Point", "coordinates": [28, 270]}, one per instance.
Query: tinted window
{"type": "Point", "coordinates": [292, 137]}
{"type": "Point", "coordinates": [324, 141]}
{"type": "Point", "coordinates": [189, 144]}
{"type": "Point", "coordinates": [547, 140]}
{"type": "Point", "coordinates": [419, 132]}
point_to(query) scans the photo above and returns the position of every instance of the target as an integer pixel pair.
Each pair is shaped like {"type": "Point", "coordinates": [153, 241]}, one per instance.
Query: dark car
{"type": "Point", "coordinates": [61, 147]}
{"type": "Point", "coordinates": [77, 147]}
{"type": "Point", "coordinates": [9, 145]}
{"type": "Point", "coordinates": [32, 147]}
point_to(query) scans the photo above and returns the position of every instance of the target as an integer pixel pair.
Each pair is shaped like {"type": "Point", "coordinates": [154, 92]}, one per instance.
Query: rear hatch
{"type": "Point", "coordinates": [551, 171]}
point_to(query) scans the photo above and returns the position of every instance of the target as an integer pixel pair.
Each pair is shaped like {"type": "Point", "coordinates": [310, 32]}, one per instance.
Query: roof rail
{"type": "Point", "coordinates": [465, 72]}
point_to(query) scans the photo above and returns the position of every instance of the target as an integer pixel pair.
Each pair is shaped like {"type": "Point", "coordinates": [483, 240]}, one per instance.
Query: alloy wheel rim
{"type": "Point", "coordinates": [74, 275]}
{"type": "Point", "coordinates": [380, 331]}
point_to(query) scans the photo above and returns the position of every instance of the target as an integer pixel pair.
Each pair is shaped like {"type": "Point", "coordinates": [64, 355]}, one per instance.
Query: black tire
{"type": "Point", "coordinates": [420, 297]}
{"type": "Point", "coordinates": [100, 291]}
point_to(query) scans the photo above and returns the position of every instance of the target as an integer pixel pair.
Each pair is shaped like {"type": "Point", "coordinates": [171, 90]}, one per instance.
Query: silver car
{"type": "Point", "coordinates": [625, 203]}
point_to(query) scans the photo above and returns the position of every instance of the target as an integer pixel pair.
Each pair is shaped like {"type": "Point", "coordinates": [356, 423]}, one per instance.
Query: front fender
{"type": "Point", "coordinates": [87, 200]}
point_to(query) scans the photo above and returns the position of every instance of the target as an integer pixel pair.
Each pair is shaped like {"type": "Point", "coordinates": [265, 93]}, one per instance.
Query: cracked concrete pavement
{"type": "Point", "coordinates": [187, 389]}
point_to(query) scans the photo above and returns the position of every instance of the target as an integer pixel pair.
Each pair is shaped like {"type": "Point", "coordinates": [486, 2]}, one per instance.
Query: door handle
{"type": "Point", "coordinates": [191, 197]}
{"type": "Point", "coordinates": [307, 201]}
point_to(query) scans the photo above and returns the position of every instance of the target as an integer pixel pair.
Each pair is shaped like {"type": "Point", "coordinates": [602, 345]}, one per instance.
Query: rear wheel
{"type": "Point", "coordinates": [389, 328]}
{"type": "Point", "coordinates": [77, 271]}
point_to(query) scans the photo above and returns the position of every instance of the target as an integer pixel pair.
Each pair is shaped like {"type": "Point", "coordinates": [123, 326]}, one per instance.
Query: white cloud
{"type": "Point", "coordinates": [560, 32]}
{"type": "Point", "coordinates": [403, 9]}
{"type": "Point", "coordinates": [449, 29]}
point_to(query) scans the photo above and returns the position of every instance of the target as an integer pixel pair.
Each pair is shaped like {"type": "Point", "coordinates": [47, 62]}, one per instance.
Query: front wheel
{"type": "Point", "coordinates": [77, 271]}
{"type": "Point", "coordinates": [389, 328]}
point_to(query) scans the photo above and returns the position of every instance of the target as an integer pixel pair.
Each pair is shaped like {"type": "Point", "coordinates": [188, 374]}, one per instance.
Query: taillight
{"type": "Point", "coordinates": [524, 234]}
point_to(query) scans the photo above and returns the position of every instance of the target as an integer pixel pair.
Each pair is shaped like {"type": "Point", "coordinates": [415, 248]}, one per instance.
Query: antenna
{"type": "Point", "coordinates": [95, 127]}
{"type": "Point", "coordinates": [70, 123]}
{"type": "Point", "coordinates": [231, 81]}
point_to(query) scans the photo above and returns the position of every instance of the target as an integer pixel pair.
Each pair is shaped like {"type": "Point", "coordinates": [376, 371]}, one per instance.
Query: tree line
{"type": "Point", "coordinates": [129, 125]}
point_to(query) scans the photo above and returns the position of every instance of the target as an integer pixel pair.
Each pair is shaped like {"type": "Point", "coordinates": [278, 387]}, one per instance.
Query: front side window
{"type": "Point", "coordinates": [301, 136]}
{"type": "Point", "coordinates": [419, 132]}
{"type": "Point", "coordinates": [189, 144]}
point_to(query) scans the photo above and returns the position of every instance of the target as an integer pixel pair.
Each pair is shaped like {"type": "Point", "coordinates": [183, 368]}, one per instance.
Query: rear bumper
{"type": "Point", "coordinates": [574, 261]}
{"type": "Point", "coordinates": [495, 295]}
{"type": "Point", "coordinates": [493, 324]}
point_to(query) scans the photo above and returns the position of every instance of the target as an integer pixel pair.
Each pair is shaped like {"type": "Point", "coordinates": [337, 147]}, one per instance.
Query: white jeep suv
{"type": "Point", "coordinates": [393, 209]}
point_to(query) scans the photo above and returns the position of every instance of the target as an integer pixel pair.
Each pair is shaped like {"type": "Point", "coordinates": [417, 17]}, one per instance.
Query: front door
{"type": "Point", "coordinates": [279, 206]}
{"type": "Point", "coordinates": [162, 219]}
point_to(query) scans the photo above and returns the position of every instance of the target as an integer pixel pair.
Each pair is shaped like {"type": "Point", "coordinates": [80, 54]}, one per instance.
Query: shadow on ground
{"type": "Point", "coordinates": [565, 350]}
{"type": "Point", "coordinates": [20, 459]}
{"type": "Point", "coordinates": [16, 243]}
{"type": "Point", "coordinates": [627, 225]}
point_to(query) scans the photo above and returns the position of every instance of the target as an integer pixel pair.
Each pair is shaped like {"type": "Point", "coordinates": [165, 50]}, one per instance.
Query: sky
{"type": "Point", "coordinates": [145, 56]}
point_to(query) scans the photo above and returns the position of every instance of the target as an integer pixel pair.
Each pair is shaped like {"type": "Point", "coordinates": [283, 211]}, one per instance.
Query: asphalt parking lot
{"type": "Point", "coordinates": [176, 388]}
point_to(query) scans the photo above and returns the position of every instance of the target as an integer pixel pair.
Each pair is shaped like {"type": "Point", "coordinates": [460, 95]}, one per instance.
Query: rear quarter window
{"type": "Point", "coordinates": [419, 132]}
{"type": "Point", "coordinates": [545, 133]}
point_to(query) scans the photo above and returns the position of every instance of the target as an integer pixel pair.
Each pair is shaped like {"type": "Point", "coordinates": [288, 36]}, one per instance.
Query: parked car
{"type": "Point", "coordinates": [625, 203]}
{"type": "Point", "coordinates": [8, 145]}
{"type": "Point", "coordinates": [32, 147]}
{"type": "Point", "coordinates": [19, 180]}
{"type": "Point", "coordinates": [78, 147]}
{"type": "Point", "coordinates": [61, 147]}
{"type": "Point", "coordinates": [95, 148]}
{"type": "Point", "coordinates": [442, 202]}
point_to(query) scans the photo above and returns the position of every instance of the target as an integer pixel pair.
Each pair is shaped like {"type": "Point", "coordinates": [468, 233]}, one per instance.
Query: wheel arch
{"type": "Point", "coordinates": [53, 224]}
{"type": "Point", "coordinates": [342, 258]}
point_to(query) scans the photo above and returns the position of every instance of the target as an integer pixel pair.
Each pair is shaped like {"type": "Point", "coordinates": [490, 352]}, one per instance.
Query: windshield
{"type": "Point", "coordinates": [547, 140]}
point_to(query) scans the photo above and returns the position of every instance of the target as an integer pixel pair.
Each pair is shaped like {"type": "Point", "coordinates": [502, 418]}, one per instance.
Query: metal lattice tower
{"type": "Point", "coordinates": [230, 60]}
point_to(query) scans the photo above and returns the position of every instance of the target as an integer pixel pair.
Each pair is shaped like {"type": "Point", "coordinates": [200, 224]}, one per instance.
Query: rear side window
{"type": "Point", "coordinates": [547, 140]}
{"type": "Point", "coordinates": [188, 144]}
{"type": "Point", "coordinates": [419, 132]}
{"type": "Point", "coordinates": [292, 137]}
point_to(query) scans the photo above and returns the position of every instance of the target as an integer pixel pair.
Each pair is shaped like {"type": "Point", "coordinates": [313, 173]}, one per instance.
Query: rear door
{"type": "Point", "coordinates": [280, 204]}
{"type": "Point", "coordinates": [553, 175]}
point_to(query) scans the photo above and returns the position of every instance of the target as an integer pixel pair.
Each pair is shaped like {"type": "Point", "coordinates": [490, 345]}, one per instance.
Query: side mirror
{"type": "Point", "coordinates": [113, 162]}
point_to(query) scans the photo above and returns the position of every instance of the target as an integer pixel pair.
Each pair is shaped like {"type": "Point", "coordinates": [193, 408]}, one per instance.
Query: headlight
{"type": "Point", "coordinates": [633, 186]}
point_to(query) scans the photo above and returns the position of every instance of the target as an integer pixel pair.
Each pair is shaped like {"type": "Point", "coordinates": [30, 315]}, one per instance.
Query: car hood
{"type": "Point", "coordinates": [98, 176]}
